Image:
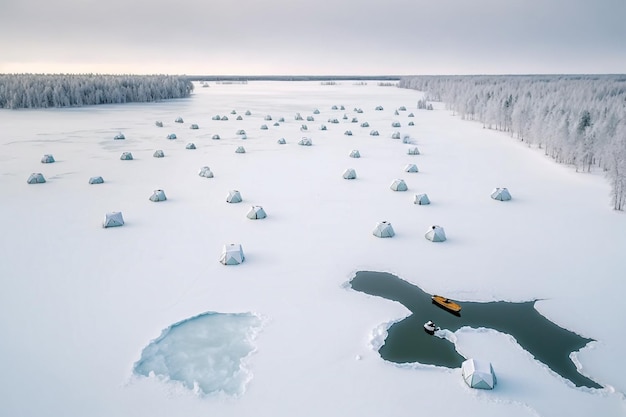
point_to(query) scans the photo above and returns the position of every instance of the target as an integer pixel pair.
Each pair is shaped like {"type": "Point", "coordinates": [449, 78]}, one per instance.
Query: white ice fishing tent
{"type": "Point", "coordinates": [190, 145]}
{"type": "Point", "coordinates": [158, 195]}
{"type": "Point", "coordinates": [120, 136]}
{"type": "Point", "coordinates": [256, 212]}
{"type": "Point", "coordinates": [113, 219]}
{"type": "Point", "coordinates": [349, 174]}
{"type": "Point", "coordinates": [421, 199]}
{"type": "Point", "coordinates": [179, 120]}
{"type": "Point", "coordinates": [411, 168]}
{"type": "Point", "coordinates": [205, 172]}
{"type": "Point", "coordinates": [478, 374]}
{"type": "Point", "coordinates": [436, 234]}
{"type": "Point", "coordinates": [240, 149]}
{"type": "Point", "coordinates": [171, 136]}
{"type": "Point", "coordinates": [232, 254]}
{"type": "Point", "coordinates": [193, 126]}
{"type": "Point", "coordinates": [233, 197]}
{"type": "Point", "coordinates": [413, 151]}
{"type": "Point", "coordinates": [282, 141]}
{"type": "Point", "coordinates": [158, 153]}
{"type": "Point", "coordinates": [305, 142]}
{"type": "Point", "coordinates": [355, 153]}
{"type": "Point", "coordinates": [398, 185]}
{"type": "Point", "coordinates": [215, 137]}
{"type": "Point", "coordinates": [96, 180]}
{"type": "Point", "coordinates": [383, 229]}
{"type": "Point", "coordinates": [47, 159]}
{"type": "Point", "coordinates": [126, 156]}
{"type": "Point", "coordinates": [501, 194]}
{"type": "Point", "coordinates": [36, 178]}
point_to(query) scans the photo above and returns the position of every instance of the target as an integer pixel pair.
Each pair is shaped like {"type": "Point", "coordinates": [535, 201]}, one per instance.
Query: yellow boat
{"type": "Point", "coordinates": [446, 303]}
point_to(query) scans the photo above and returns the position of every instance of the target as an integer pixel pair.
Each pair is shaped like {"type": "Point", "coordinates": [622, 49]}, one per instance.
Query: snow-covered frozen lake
{"type": "Point", "coordinates": [80, 303]}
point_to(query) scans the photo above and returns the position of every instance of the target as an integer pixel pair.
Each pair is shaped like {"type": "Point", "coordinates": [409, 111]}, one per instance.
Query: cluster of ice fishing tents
{"type": "Point", "coordinates": [383, 229]}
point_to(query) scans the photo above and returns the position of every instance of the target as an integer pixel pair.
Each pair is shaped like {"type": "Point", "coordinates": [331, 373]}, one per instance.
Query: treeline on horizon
{"type": "Point", "coordinates": [242, 78]}
{"type": "Point", "coordinates": [576, 119]}
{"type": "Point", "coordinates": [18, 91]}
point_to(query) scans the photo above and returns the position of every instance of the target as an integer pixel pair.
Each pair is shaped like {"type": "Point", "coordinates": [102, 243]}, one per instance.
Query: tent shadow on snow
{"type": "Point", "coordinates": [407, 342]}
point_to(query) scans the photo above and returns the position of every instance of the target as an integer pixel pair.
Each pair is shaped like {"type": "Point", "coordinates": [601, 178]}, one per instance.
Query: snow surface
{"type": "Point", "coordinates": [80, 303]}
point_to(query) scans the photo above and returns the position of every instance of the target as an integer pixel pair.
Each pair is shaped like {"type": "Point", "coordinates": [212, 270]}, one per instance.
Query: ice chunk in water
{"type": "Point", "coordinates": [205, 353]}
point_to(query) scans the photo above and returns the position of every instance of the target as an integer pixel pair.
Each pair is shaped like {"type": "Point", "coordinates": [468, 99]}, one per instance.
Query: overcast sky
{"type": "Point", "coordinates": [365, 37]}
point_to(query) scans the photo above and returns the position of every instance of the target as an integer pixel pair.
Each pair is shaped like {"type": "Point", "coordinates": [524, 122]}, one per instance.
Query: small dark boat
{"type": "Point", "coordinates": [446, 304]}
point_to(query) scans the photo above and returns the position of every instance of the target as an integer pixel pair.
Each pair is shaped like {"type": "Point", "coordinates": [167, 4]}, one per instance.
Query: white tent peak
{"type": "Point", "coordinates": [256, 213]}
{"type": "Point", "coordinates": [205, 172]}
{"type": "Point", "coordinates": [398, 185]}
{"type": "Point", "coordinates": [383, 229]}
{"type": "Point", "coordinates": [232, 254]}
{"type": "Point", "coordinates": [233, 197]}
{"type": "Point", "coordinates": [158, 195]}
{"type": "Point", "coordinates": [478, 374]}
{"type": "Point", "coordinates": [436, 234]}
{"type": "Point", "coordinates": [411, 168]}
{"type": "Point", "coordinates": [501, 194]}
{"type": "Point", "coordinates": [413, 151]}
{"type": "Point", "coordinates": [421, 199]}
{"type": "Point", "coordinates": [349, 174]}
{"type": "Point", "coordinates": [113, 219]}
{"type": "Point", "coordinates": [36, 178]}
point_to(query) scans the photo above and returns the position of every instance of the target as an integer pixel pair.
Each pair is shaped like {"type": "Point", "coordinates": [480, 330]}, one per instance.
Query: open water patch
{"type": "Point", "coordinates": [206, 353]}
{"type": "Point", "coordinates": [407, 341]}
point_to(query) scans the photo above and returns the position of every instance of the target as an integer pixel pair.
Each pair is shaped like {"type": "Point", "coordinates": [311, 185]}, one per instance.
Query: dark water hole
{"type": "Point", "coordinates": [408, 342]}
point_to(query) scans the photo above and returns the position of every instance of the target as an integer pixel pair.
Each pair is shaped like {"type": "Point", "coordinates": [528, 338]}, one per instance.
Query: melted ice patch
{"type": "Point", "coordinates": [206, 353]}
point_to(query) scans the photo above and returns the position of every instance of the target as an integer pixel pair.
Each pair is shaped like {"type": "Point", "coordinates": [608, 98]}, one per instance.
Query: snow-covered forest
{"type": "Point", "coordinates": [577, 120]}
{"type": "Point", "coordinates": [64, 90]}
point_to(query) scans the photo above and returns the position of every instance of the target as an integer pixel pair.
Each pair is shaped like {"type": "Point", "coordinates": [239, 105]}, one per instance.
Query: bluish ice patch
{"type": "Point", "coordinates": [206, 353]}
